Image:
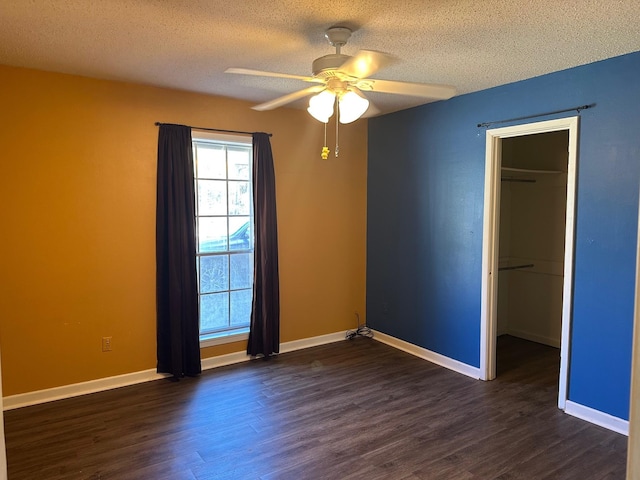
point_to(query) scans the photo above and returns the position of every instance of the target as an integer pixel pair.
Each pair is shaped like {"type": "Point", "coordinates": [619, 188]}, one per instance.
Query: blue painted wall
{"type": "Point", "coordinates": [425, 212]}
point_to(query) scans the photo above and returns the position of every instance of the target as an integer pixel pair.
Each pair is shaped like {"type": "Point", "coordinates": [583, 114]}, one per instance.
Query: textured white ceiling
{"type": "Point", "coordinates": [187, 44]}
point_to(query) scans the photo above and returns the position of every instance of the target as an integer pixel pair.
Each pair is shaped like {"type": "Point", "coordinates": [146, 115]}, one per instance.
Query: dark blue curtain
{"type": "Point", "coordinates": [178, 332]}
{"type": "Point", "coordinates": [264, 333]}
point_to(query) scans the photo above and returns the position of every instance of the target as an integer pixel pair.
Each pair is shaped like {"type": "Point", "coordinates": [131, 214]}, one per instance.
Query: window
{"type": "Point", "coordinates": [224, 232]}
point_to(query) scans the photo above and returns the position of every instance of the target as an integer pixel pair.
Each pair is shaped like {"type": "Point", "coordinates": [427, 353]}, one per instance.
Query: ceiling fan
{"type": "Point", "coordinates": [345, 78]}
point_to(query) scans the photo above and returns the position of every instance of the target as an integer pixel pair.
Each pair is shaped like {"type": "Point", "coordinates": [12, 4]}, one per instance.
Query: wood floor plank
{"type": "Point", "coordinates": [351, 410]}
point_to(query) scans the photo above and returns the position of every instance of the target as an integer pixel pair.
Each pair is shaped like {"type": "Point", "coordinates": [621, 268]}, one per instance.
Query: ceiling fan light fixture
{"type": "Point", "coordinates": [321, 106]}
{"type": "Point", "coordinates": [352, 106]}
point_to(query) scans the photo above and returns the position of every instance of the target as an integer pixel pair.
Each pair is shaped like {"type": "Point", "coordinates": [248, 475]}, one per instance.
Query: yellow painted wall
{"type": "Point", "coordinates": [77, 219]}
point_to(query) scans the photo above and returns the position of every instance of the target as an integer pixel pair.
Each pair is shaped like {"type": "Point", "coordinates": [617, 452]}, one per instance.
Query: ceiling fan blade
{"type": "Point", "coordinates": [426, 90]}
{"type": "Point", "coordinates": [372, 111]}
{"type": "Point", "coordinates": [365, 63]}
{"type": "Point", "coordinates": [291, 97]}
{"type": "Point", "coordinates": [260, 73]}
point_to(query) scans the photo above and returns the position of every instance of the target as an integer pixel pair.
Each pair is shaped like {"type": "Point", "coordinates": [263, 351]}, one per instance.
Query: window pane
{"type": "Point", "coordinates": [239, 163]}
{"type": "Point", "coordinates": [212, 197]}
{"type": "Point", "coordinates": [212, 234]}
{"type": "Point", "coordinates": [214, 273]}
{"type": "Point", "coordinates": [241, 307]}
{"type": "Point", "coordinates": [239, 198]}
{"type": "Point", "coordinates": [214, 311]}
{"type": "Point", "coordinates": [210, 161]}
{"type": "Point", "coordinates": [241, 237]}
{"type": "Point", "coordinates": [224, 223]}
{"type": "Point", "coordinates": [241, 271]}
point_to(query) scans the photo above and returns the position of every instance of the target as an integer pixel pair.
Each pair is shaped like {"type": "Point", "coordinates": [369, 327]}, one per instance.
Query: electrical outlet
{"type": "Point", "coordinates": [106, 344]}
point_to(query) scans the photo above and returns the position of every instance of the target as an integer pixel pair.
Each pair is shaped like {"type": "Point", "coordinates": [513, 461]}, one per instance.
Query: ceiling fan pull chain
{"type": "Point", "coordinates": [325, 150]}
{"type": "Point", "coordinates": [337, 147]}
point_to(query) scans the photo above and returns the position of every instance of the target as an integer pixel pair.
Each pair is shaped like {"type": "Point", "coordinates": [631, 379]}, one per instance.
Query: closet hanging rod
{"type": "Point", "coordinates": [516, 267]}
{"type": "Point", "coordinates": [521, 180]}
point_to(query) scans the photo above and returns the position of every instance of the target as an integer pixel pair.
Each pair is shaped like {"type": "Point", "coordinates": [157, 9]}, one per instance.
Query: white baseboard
{"type": "Point", "coordinates": [222, 360]}
{"type": "Point", "coordinates": [597, 417]}
{"type": "Point", "coordinates": [237, 357]}
{"type": "Point", "coordinates": [571, 408]}
{"type": "Point", "coordinates": [92, 386]}
{"type": "Point", "coordinates": [425, 354]}
{"type": "Point", "coordinates": [312, 342]}
{"type": "Point", "coordinates": [66, 391]}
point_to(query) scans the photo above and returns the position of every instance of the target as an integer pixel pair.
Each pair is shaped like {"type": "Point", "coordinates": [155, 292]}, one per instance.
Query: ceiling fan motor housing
{"type": "Point", "coordinates": [325, 67]}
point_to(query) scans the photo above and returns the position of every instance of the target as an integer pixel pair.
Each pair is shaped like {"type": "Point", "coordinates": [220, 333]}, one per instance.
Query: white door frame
{"type": "Point", "coordinates": [633, 450]}
{"type": "Point", "coordinates": [490, 244]}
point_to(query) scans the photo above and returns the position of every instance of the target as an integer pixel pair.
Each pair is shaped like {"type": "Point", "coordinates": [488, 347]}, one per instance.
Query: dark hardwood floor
{"type": "Point", "coordinates": [350, 410]}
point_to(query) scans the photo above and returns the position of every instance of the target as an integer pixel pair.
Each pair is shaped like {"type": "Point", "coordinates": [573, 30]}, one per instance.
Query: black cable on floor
{"type": "Point", "coordinates": [361, 331]}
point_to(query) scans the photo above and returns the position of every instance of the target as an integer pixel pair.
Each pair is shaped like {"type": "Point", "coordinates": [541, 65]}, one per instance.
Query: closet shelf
{"type": "Point", "coordinates": [517, 267]}
{"type": "Point", "coordinates": [521, 180]}
{"type": "Point", "coordinates": [528, 170]}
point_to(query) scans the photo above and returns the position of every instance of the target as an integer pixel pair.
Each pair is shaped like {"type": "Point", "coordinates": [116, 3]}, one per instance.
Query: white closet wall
{"type": "Point", "coordinates": [532, 228]}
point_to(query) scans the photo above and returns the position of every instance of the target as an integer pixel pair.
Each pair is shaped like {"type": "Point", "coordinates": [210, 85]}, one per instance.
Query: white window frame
{"type": "Point", "coordinates": [241, 333]}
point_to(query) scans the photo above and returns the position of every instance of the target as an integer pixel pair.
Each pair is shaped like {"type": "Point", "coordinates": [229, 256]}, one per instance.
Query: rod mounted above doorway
{"type": "Point", "coordinates": [576, 109]}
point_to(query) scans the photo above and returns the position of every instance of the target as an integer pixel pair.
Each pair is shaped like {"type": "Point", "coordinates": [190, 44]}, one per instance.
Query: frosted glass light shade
{"type": "Point", "coordinates": [321, 105]}
{"type": "Point", "coordinates": [352, 106]}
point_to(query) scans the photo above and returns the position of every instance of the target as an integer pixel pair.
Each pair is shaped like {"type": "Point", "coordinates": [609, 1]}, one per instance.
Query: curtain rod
{"type": "Point", "coordinates": [211, 129]}
{"type": "Point", "coordinates": [577, 109]}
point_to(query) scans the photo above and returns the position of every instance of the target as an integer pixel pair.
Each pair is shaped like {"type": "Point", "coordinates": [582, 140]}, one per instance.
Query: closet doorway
{"type": "Point", "coordinates": [528, 236]}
